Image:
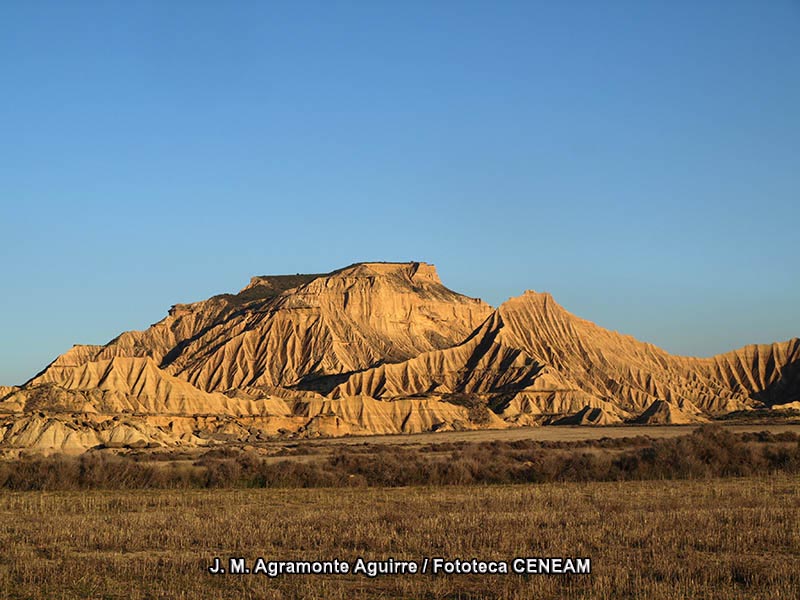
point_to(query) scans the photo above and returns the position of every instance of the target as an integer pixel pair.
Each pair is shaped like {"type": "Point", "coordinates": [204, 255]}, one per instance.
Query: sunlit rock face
{"type": "Point", "coordinates": [372, 348]}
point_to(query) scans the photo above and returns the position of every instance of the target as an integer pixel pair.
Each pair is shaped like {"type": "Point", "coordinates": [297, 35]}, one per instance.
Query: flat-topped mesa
{"type": "Point", "coordinates": [395, 291]}
{"type": "Point", "coordinates": [260, 361]}
{"type": "Point", "coordinates": [427, 272]}
{"type": "Point", "coordinates": [281, 330]}
{"type": "Point", "coordinates": [414, 272]}
{"type": "Point", "coordinates": [266, 287]}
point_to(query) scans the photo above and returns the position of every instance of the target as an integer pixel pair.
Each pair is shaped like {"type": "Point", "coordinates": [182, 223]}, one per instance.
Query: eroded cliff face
{"type": "Point", "coordinates": [273, 335]}
{"type": "Point", "coordinates": [372, 348]}
{"type": "Point", "coordinates": [540, 359]}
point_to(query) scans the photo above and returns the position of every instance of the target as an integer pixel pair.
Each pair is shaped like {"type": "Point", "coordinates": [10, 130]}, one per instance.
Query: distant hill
{"type": "Point", "coordinates": [373, 348]}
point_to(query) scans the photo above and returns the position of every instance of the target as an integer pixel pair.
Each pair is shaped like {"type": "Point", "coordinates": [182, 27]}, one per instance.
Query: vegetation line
{"type": "Point", "coordinates": [709, 451]}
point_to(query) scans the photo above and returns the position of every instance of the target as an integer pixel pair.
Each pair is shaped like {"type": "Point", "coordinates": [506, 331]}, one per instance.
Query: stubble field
{"type": "Point", "coordinates": [711, 538]}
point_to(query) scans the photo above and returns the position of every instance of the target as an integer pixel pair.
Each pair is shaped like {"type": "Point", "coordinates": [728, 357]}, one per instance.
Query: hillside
{"type": "Point", "coordinates": [373, 348]}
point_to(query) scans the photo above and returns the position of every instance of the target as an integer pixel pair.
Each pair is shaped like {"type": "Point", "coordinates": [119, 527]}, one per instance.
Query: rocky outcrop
{"type": "Point", "coordinates": [373, 348]}
{"type": "Point", "coordinates": [787, 406]}
{"type": "Point", "coordinates": [662, 412]}
{"type": "Point", "coordinates": [273, 335]}
{"type": "Point", "coordinates": [133, 385]}
{"type": "Point", "coordinates": [561, 363]}
{"type": "Point", "coordinates": [61, 434]}
{"type": "Point", "coordinates": [6, 390]}
{"type": "Point", "coordinates": [590, 416]}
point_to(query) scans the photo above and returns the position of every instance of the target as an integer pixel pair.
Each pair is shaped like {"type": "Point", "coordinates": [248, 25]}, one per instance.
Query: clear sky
{"type": "Point", "coordinates": [638, 160]}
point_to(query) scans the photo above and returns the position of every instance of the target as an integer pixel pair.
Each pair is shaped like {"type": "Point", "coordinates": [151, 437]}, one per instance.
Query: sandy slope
{"type": "Point", "coordinates": [373, 348]}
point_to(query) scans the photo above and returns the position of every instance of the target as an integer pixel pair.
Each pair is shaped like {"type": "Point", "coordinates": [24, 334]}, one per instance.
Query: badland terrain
{"type": "Point", "coordinates": [373, 348]}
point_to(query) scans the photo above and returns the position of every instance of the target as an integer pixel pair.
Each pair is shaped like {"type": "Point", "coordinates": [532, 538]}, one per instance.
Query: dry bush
{"type": "Point", "coordinates": [709, 451]}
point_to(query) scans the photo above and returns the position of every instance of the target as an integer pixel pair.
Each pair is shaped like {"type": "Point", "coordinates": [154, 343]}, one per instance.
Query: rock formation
{"type": "Point", "coordinates": [372, 348]}
{"type": "Point", "coordinates": [662, 412]}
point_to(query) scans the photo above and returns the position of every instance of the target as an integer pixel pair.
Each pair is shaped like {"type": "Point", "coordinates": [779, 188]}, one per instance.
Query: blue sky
{"type": "Point", "coordinates": [639, 160]}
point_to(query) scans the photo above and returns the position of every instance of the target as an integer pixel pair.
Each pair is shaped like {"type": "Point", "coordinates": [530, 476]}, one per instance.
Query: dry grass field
{"type": "Point", "coordinates": [712, 513]}
{"type": "Point", "coordinates": [563, 433]}
{"type": "Point", "coordinates": [718, 538]}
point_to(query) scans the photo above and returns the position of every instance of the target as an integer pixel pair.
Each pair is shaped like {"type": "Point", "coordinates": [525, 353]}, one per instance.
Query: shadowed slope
{"type": "Point", "coordinates": [373, 348]}
{"type": "Point", "coordinates": [137, 385]}
{"type": "Point", "coordinates": [352, 319]}
{"type": "Point", "coordinates": [534, 346]}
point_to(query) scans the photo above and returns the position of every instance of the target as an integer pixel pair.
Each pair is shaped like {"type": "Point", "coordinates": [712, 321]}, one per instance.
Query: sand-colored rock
{"type": "Point", "coordinates": [136, 385]}
{"type": "Point", "coordinates": [6, 390]}
{"type": "Point", "coordinates": [65, 431]}
{"type": "Point", "coordinates": [632, 374]}
{"type": "Point", "coordinates": [364, 414]}
{"type": "Point", "coordinates": [74, 435]}
{"type": "Point", "coordinates": [345, 321]}
{"type": "Point", "coordinates": [372, 348]}
{"type": "Point", "coordinates": [549, 403]}
{"type": "Point", "coordinates": [662, 412]}
{"type": "Point", "coordinates": [589, 415]}
{"type": "Point", "coordinates": [531, 343]}
{"type": "Point", "coordinates": [787, 406]}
